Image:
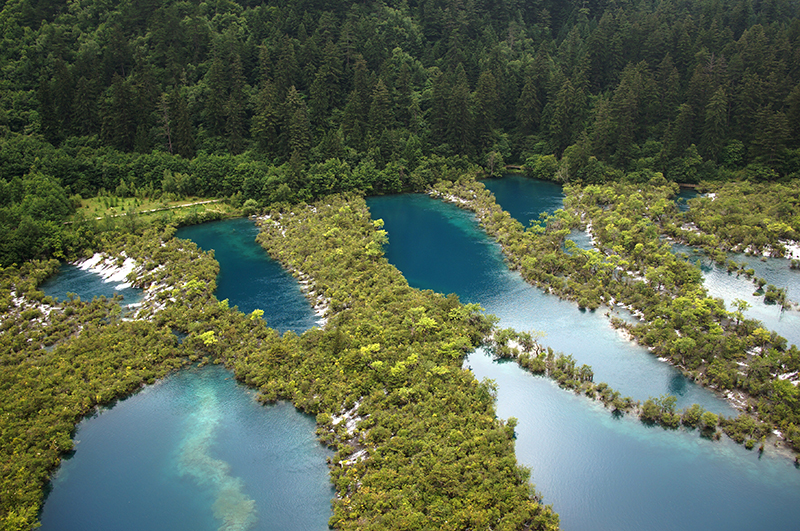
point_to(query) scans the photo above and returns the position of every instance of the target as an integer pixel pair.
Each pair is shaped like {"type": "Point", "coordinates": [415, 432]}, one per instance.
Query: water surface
{"type": "Point", "coordinates": [525, 198]}
{"type": "Point", "coordinates": [87, 285]}
{"type": "Point", "coordinates": [601, 472]}
{"type": "Point", "coordinates": [441, 247]}
{"type": "Point", "coordinates": [684, 195]}
{"type": "Point", "coordinates": [194, 451]}
{"type": "Point", "coordinates": [732, 286]}
{"type": "Point", "coordinates": [249, 277]}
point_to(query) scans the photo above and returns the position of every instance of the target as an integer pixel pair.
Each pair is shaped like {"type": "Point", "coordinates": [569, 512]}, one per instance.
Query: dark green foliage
{"type": "Point", "coordinates": [535, 78]}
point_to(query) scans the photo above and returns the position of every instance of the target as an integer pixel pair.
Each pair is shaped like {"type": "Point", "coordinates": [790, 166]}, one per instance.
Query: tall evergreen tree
{"type": "Point", "coordinates": [217, 96]}
{"type": "Point", "coordinates": [381, 116]}
{"type": "Point", "coordinates": [715, 126]}
{"type": "Point", "coordinates": [118, 115]}
{"type": "Point", "coordinates": [181, 125]}
{"type": "Point", "coordinates": [460, 126]}
{"type": "Point", "coordinates": [266, 120]}
{"type": "Point", "coordinates": [235, 107]}
{"type": "Point", "coordinates": [298, 126]}
{"type": "Point", "coordinates": [486, 107]}
{"type": "Point", "coordinates": [529, 108]}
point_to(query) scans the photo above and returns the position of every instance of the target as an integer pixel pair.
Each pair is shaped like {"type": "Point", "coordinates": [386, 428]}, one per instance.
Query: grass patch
{"type": "Point", "coordinates": [145, 208]}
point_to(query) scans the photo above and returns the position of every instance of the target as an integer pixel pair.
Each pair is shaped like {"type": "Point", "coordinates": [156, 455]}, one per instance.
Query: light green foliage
{"type": "Point", "coordinates": [398, 353]}
{"type": "Point", "coordinates": [745, 216]}
{"type": "Point", "coordinates": [631, 264]}
{"type": "Point", "coordinates": [208, 338]}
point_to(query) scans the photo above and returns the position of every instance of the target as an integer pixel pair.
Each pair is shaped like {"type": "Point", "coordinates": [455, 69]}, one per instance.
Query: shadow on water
{"type": "Point", "coordinates": [677, 385]}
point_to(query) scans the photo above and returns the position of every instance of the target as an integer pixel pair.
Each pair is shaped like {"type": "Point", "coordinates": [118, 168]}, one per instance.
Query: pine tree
{"type": "Point", "coordinates": [403, 95]}
{"type": "Point", "coordinates": [529, 108]}
{"type": "Point", "coordinates": [118, 115]}
{"type": "Point", "coordinates": [380, 111]}
{"type": "Point", "coordinates": [266, 120]}
{"type": "Point", "coordinates": [217, 97]}
{"type": "Point", "coordinates": [325, 91]}
{"type": "Point", "coordinates": [299, 127]}
{"type": "Point", "coordinates": [181, 128]}
{"type": "Point", "coordinates": [459, 114]}
{"type": "Point", "coordinates": [437, 116]}
{"type": "Point", "coordinates": [235, 107]}
{"type": "Point", "coordinates": [84, 107]}
{"type": "Point", "coordinates": [287, 71]}
{"type": "Point", "coordinates": [566, 118]}
{"type": "Point", "coordinates": [679, 134]}
{"type": "Point", "coordinates": [715, 125]}
{"type": "Point", "coordinates": [486, 105]}
{"type": "Point", "coordinates": [772, 133]}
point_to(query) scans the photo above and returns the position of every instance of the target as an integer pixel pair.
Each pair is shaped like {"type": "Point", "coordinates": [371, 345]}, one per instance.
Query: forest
{"type": "Point", "coordinates": [293, 100]}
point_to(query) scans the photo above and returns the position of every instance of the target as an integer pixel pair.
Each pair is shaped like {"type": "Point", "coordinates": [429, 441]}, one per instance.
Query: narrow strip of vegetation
{"type": "Point", "coordinates": [631, 265]}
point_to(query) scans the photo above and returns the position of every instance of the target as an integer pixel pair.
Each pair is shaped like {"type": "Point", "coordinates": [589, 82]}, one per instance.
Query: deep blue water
{"type": "Point", "coordinates": [441, 247]}
{"type": "Point", "coordinates": [598, 471]}
{"type": "Point", "coordinates": [195, 451]}
{"type": "Point", "coordinates": [248, 277]}
{"type": "Point", "coordinates": [525, 198]}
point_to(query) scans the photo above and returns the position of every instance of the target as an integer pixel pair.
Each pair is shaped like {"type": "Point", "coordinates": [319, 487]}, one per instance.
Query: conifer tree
{"type": "Point", "coordinates": [715, 125]}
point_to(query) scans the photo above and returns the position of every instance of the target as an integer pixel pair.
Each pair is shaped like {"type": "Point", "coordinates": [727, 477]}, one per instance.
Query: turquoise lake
{"type": "Point", "coordinates": [597, 470]}
{"type": "Point", "coordinates": [196, 451]}
{"type": "Point", "coordinates": [441, 247]}
{"type": "Point", "coordinates": [87, 285]}
{"type": "Point", "coordinates": [248, 277]}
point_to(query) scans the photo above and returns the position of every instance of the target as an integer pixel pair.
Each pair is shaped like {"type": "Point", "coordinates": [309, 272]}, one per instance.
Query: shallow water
{"type": "Point", "coordinates": [685, 193]}
{"type": "Point", "coordinates": [194, 451]}
{"type": "Point", "coordinates": [87, 285]}
{"type": "Point", "coordinates": [604, 472]}
{"type": "Point", "coordinates": [730, 286]}
{"type": "Point", "coordinates": [598, 471]}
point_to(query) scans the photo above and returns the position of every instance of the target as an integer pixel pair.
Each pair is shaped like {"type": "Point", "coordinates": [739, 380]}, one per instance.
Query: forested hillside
{"type": "Point", "coordinates": [291, 100]}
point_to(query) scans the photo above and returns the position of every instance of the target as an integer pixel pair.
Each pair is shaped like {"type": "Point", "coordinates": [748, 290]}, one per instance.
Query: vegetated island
{"type": "Point", "coordinates": [631, 265]}
{"type": "Point", "coordinates": [416, 436]}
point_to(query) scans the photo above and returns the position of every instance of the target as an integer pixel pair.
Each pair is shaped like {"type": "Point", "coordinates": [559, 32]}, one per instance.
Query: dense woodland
{"type": "Point", "coordinates": [294, 100]}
